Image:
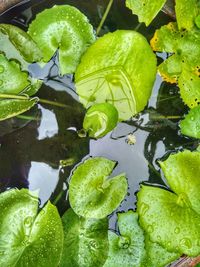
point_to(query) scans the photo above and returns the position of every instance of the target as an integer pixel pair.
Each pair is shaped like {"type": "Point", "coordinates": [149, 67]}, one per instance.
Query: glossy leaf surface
{"type": "Point", "coordinates": [64, 28]}
{"type": "Point", "coordinates": [146, 10]}
{"type": "Point", "coordinates": [85, 241]}
{"type": "Point", "coordinates": [100, 119]}
{"type": "Point", "coordinates": [190, 126]}
{"type": "Point", "coordinates": [27, 238]}
{"type": "Point", "coordinates": [103, 195]}
{"type": "Point", "coordinates": [119, 68]}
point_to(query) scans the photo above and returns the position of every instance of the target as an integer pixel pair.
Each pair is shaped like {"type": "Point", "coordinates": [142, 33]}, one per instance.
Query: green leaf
{"type": "Point", "coordinates": [126, 249]}
{"type": "Point", "coordinates": [146, 10]}
{"type": "Point", "coordinates": [103, 195]}
{"type": "Point", "coordinates": [173, 220]}
{"type": "Point", "coordinates": [119, 68]}
{"type": "Point", "coordinates": [12, 79]}
{"type": "Point", "coordinates": [190, 126]}
{"type": "Point", "coordinates": [65, 28]}
{"type": "Point", "coordinates": [12, 107]}
{"type": "Point", "coordinates": [100, 119]}
{"type": "Point", "coordinates": [85, 241]}
{"type": "Point", "coordinates": [28, 239]}
{"type": "Point", "coordinates": [186, 12]}
{"type": "Point", "coordinates": [183, 67]}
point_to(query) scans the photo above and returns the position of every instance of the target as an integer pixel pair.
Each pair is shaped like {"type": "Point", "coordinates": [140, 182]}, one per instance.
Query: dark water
{"type": "Point", "coordinates": [31, 147]}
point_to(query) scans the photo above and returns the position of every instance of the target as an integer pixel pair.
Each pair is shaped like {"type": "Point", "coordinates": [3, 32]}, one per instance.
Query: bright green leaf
{"type": "Point", "coordinates": [191, 124]}
{"type": "Point", "coordinates": [85, 241]}
{"type": "Point", "coordinates": [146, 10]}
{"type": "Point", "coordinates": [100, 119]}
{"type": "Point", "coordinates": [65, 28]}
{"type": "Point", "coordinates": [119, 68]}
{"type": "Point", "coordinates": [12, 107]}
{"type": "Point", "coordinates": [28, 239]}
{"type": "Point", "coordinates": [91, 193]}
{"type": "Point", "coordinates": [126, 249]}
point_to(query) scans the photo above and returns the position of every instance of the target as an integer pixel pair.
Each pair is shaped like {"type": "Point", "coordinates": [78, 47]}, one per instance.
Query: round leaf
{"type": "Point", "coordinates": [119, 68]}
{"type": "Point", "coordinates": [65, 28]}
{"type": "Point", "coordinates": [100, 119]}
{"type": "Point", "coordinates": [85, 241]}
{"type": "Point", "coordinates": [103, 195]}
{"type": "Point", "coordinates": [191, 124]}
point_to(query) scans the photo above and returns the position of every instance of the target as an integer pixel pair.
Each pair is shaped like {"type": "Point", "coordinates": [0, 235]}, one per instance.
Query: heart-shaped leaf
{"type": "Point", "coordinates": [119, 68]}
{"type": "Point", "coordinates": [184, 65]}
{"type": "Point", "coordinates": [28, 239]}
{"type": "Point", "coordinates": [145, 10]}
{"type": "Point", "coordinates": [128, 248]}
{"type": "Point", "coordinates": [64, 28]}
{"type": "Point", "coordinates": [191, 124]}
{"type": "Point", "coordinates": [100, 119]}
{"type": "Point", "coordinates": [91, 193]}
{"type": "Point", "coordinates": [85, 241]}
{"type": "Point", "coordinates": [173, 220]}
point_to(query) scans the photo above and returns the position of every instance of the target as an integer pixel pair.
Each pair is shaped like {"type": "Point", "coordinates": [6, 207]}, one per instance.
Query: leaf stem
{"type": "Point", "coordinates": [20, 97]}
{"type": "Point", "coordinates": [104, 16]}
{"type": "Point", "coordinates": [53, 103]}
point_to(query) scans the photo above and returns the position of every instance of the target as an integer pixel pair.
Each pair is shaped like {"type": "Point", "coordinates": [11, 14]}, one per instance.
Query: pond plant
{"type": "Point", "coordinates": [114, 76]}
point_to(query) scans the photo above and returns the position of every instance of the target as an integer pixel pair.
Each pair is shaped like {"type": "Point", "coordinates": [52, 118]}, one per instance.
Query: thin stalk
{"type": "Point", "coordinates": [104, 16]}
{"type": "Point", "coordinates": [166, 117]}
{"type": "Point", "coordinates": [53, 103]}
{"type": "Point", "coordinates": [19, 97]}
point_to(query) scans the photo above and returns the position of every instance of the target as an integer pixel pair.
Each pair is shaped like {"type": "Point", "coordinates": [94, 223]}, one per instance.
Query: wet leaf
{"type": "Point", "coordinates": [172, 219]}
{"type": "Point", "coordinates": [100, 119]}
{"type": "Point", "coordinates": [28, 239]}
{"type": "Point", "coordinates": [65, 28]}
{"type": "Point", "coordinates": [146, 10]}
{"type": "Point", "coordinates": [128, 248]}
{"type": "Point", "coordinates": [119, 68]}
{"type": "Point", "coordinates": [12, 107]}
{"type": "Point", "coordinates": [85, 241]}
{"type": "Point", "coordinates": [103, 195]}
{"type": "Point", "coordinates": [183, 67]}
{"type": "Point", "coordinates": [190, 126]}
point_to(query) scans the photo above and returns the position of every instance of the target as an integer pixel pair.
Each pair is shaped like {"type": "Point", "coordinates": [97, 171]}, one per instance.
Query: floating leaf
{"type": "Point", "coordinates": [191, 124]}
{"type": "Point", "coordinates": [65, 28]}
{"type": "Point", "coordinates": [126, 249]}
{"type": "Point", "coordinates": [12, 107]}
{"type": "Point", "coordinates": [85, 241]}
{"type": "Point", "coordinates": [172, 220]}
{"type": "Point", "coordinates": [119, 68]}
{"type": "Point", "coordinates": [183, 67]}
{"type": "Point", "coordinates": [100, 119]}
{"type": "Point", "coordinates": [146, 10]}
{"type": "Point", "coordinates": [103, 195]}
{"type": "Point", "coordinates": [28, 239]}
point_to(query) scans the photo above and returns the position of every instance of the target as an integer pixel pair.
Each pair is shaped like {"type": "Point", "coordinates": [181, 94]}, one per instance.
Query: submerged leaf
{"type": "Point", "coordinates": [27, 238]}
{"type": "Point", "coordinates": [100, 119]}
{"type": "Point", "coordinates": [190, 126]}
{"type": "Point", "coordinates": [126, 249]}
{"type": "Point", "coordinates": [65, 28]}
{"type": "Point", "coordinates": [172, 220]}
{"type": "Point", "coordinates": [12, 107]}
{"type": "Point", "coordinates": [119, 68]}
{"type": "Point", "coordinates": [146, 10]}
{"type": "Point", "coordinates": [85, 241]}
{"type": "Point", "coordinates": [91, 193]}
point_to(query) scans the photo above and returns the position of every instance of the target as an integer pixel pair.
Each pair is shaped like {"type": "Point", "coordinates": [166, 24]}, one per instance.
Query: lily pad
{"type": "Point", "coordinates": [27, 238]}
{"type": "Point", "coordinates": [190, 126]}
{"type": "Point", "coordinates": [183, 67]}
{"type": "Point", "coordinates": [100, 119]}
{"type": "Point", "coordinates": [103, 195]}
{"type": "Point", "coordinates": [128, 248]}
{"type": "Point", "coordinates": [172, 219]}
{"type": "Point", "coordinates": [119, 68]}
{"type": "Point", "coordinates": [65, 28]}
{"type": "Point", "coordinates": [146, 10]}
{"type": "Point", "coordinates": [85, 241]}
{"type": "Point", "coordinates": [12, 107]}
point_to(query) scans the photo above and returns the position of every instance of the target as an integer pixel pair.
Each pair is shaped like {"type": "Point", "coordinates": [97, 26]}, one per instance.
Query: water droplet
{"type": "Point", "coordinates": [185, 242]}
{"type": "Point", "coordinates": [28, 221]}
{"type": "Point", "coordinates": [177, 230]}
{"type": "Point", "coordinates": [192, 118]}
{"type": "Point", "coordinates": [144, 208]}
{"type": "Point", "coordinates": [1, 69]}
{"type": "Point", "coordinates": [124, 242]}
{"type": "Point", "coordinates": [150, 229]}
{"type": "Point", "coordinates": [1, 82]}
